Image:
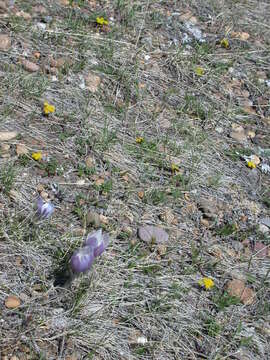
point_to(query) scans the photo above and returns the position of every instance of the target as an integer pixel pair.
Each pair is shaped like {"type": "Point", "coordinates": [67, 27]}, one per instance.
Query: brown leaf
{"type": "Point", "coordinates": [104, 219]}
{"type": "Point", "coordinates": [64, 2]}
{"type": "Point", "coordinates": [29, 66]}
{"type": "Point", "coordinates": [249, 109]}
{"type": "Point", "coordinates": [125, 177]}
{"type": "Point", "coordinates": [251, 134]}
{"type": "Point", "coordinates": [188, 16]}
{"type": "Point", "coordinates": [12, 302]}
{"type": "Point", "coordinates": [40, 188]}
{"type": "Point", "coordinates": [60, 62]}
{"type": "Point", "coordinates": [14, 195]}
{"type": "Point", "coordinates": [44, 195]}
{"type": "Point", "coordinates": [92, 82]}
{"type": "Point", "coordinates": [37, 54]}
{"type": "Point", "coordinates": [167, 216]}
{"type": "Point", "coordinates": [18, 261]}
{"type": "Point", "coordinates": [74, 356]}
{"type": "Point", "coordinates": [240, 35]}
{"type": "Point", "coordinates": [21, 149]}
{"type": "Point", "coordinates": [237, 288]}
{"type": "Point", "coordinates": [5, 42]}
{"type": "Point", "coordinates": [89, 161]}
{"type": "Point", "coordinates": [24, 15]}
{"type": "Point", "coordinates": [255, 159]}
{"type": "Point", "coordinates": [40, 9]}
{"type": "Point", "coordinates": [7, 135]}
{"type": "Point", "coordinates": [99, 181]}
{"type": "Point", "coordinates": [205, 222]}
{"type": "Point", "coordinates": [161, 249]}
{"type": "Point", "coordinates": [141, 194]}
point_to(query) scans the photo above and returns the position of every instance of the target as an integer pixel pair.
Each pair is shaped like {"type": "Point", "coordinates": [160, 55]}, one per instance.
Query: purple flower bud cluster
{"type": "Point", "coordinates": [94, 245]}
{"type": "Point", "coordinates": [44, 209]}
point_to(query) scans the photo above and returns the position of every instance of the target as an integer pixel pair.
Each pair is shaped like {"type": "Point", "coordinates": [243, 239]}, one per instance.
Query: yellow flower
{"type": "Point", "coordinates": [37, 156]}
{"type": "Point", "coordinates": [225, 43]}
{"type": "Point", "coordinates": [101, 21]}
{"type": "Point", "coordinates": [175, 168]}
{"type": "Point", "coordinates": [47, 108]}
{"type": "Point", "coordinates": [199, 71]}
{"type": "Point", "coordinates": [207, 283]}
{"type": "Point", "coordinates": [251, 164]}
{"type": "Point", "coordinates": [139, 140]}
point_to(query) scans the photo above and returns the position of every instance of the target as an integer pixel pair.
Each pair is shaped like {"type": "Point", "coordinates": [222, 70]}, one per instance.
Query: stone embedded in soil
{"type": "Point", "coordinates": [238, 288]}
{"type": "Point", "coordinates": [5, 148]}
{"type": "Point", "coordinates": [265, 221]}
{"type": "Point", "coordinates": [3, 6]}
{"type": "Point", "coordinates": [7, 135]}
{"type": "Point", "coordinates": [263, 228]}
{"type": "Point", "coordinates": [238, 133]}
{"type": "Point", "coordinates": [93, 218]}
{"type": "Point", "coordinates": [12, 302]}
{"type": "Point", "coordinates": [208, 207]}
{"type": "Point", "coordinates": [205, 222]}
{"type": "Point", "coordinates": [29, 66]}
{"type": "Point", "coordinates": [5, 42]}
{"type": "Point", "coordinates": [261, 250]}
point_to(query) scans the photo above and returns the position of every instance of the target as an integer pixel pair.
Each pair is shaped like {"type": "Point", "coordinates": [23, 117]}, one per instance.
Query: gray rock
{"type": "Point", "coordinates": [265, 221]}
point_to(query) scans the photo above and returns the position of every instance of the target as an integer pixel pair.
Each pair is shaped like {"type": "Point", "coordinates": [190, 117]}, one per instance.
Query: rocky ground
{"type": "Point", "coordinates": [156, 113]}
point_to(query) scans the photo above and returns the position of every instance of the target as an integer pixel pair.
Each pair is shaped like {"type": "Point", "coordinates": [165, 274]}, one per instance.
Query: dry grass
{"type": "Point", "coordinates": [149, 89]}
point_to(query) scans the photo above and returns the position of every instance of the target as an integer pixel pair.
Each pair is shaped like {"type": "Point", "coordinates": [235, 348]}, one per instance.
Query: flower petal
{"type": "Point", "coordinates": [152, 234]}
{"type": "Point", "coordinates": [97, 241]}
{"type": "Point", "coordinates": [44, 209]}
{"type": "Point", "coordinates": [82, 259]}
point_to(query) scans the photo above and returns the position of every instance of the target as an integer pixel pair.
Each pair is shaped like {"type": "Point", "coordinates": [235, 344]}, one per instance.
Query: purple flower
{"type": "Point", "coordinates": [97, 241]}
{"type": "Point", "coordinates": [44, 209]}
{"type": "Point", "coordinates": [82, 259]}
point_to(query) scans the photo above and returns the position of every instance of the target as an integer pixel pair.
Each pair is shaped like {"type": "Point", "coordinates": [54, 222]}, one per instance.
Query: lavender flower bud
{"type": "Point", "coordinates": [97, 241]}
{"type": "Point", "coordinates": [44, 209]}
{"type": "Point", "coordinates": [82, 259]}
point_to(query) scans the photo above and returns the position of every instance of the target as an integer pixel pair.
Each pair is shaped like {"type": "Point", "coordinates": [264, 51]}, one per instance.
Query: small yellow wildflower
{"type": "Point", "coordinates": [47, 108]}
{"type": "Point", "coordinates": [139, 140]}
{"type": "Point", "coordinates": [175, 168]}
{"type": "Point", "coordinates": [101, 21]}
{"type": "Point", "coordinates": [207, 283]}
{"type": "Point", "coordinates": [37, 156]}
{"type": "Point", "coordinates": [199, 71]}
{"type": "Point", "coordinates": [225, 43]}
{"type": "Point", "coordinates": [251, 164]}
